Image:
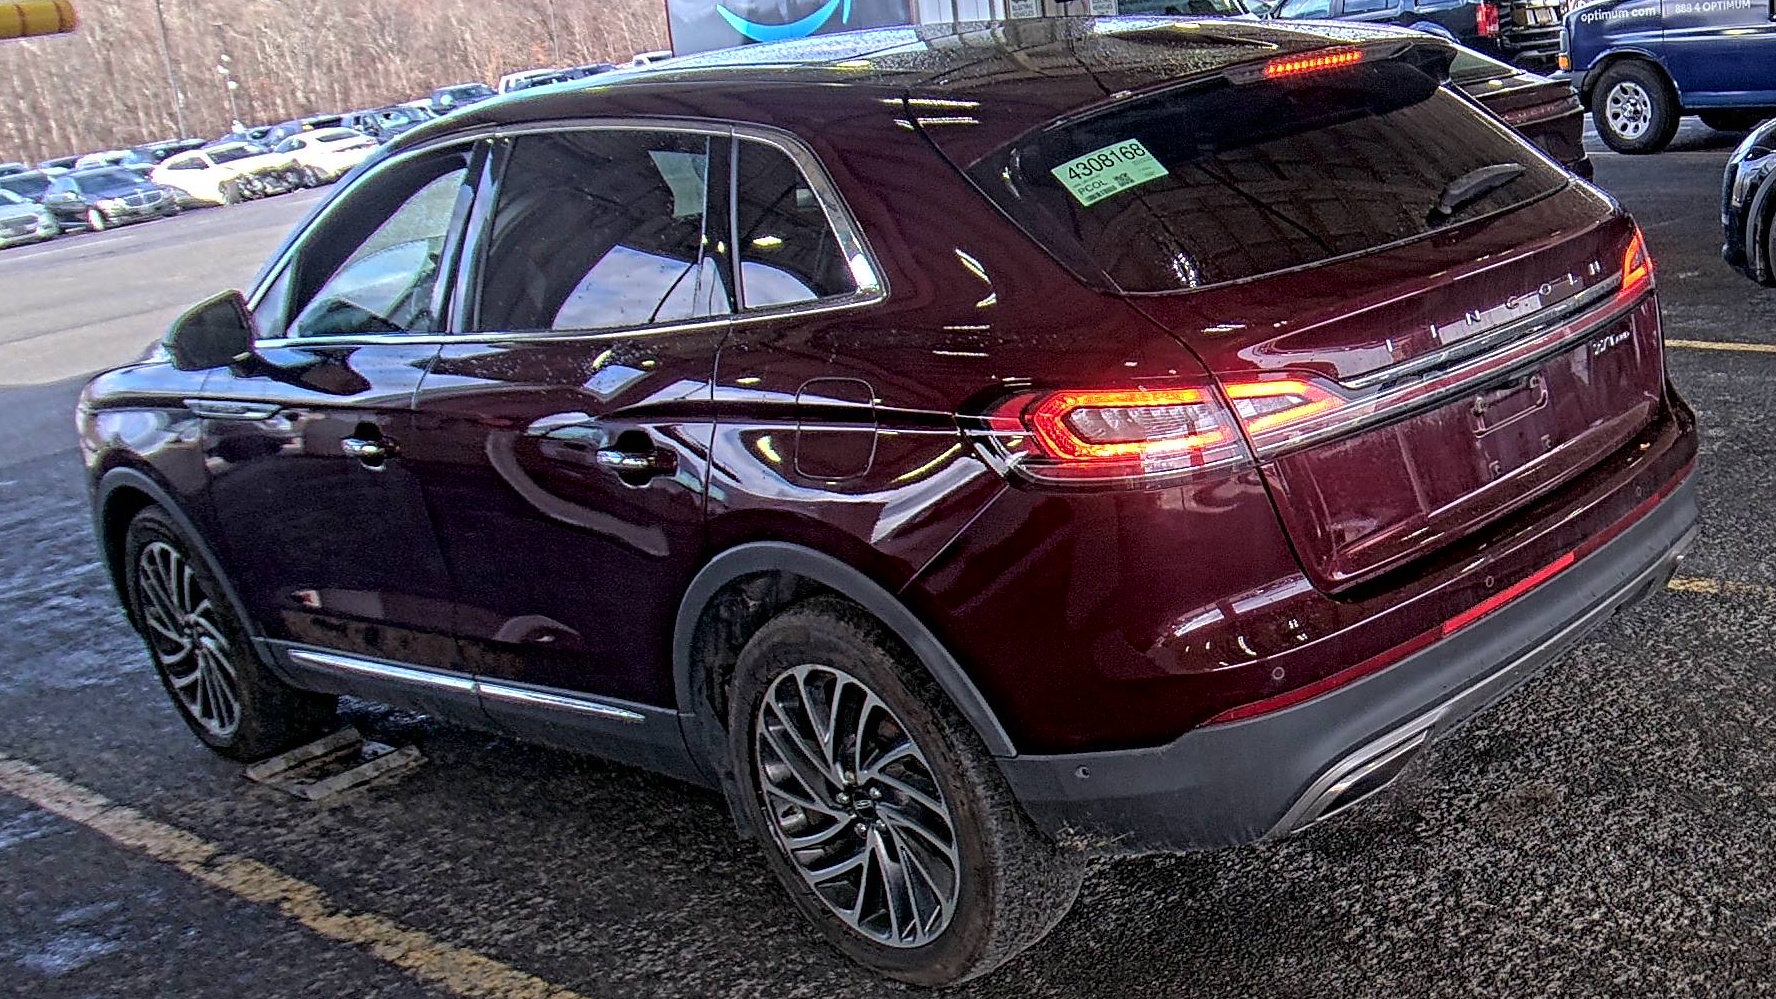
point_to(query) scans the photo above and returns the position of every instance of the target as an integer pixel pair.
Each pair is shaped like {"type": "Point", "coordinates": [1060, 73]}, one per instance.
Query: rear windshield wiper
{"type": "Point", "coordinates": [1471, 187]}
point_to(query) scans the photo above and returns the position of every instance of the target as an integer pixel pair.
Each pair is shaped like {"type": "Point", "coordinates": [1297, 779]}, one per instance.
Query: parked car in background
{"type": "Point", "coordinates": [256, 133]}
{"type": "Point", "coordinates": [529, 79]}
{"type": "Point", "coordinates": [1545, 111]}
{"type": "Point", "coordinates": [153, 154]}
{"type": "Point", "coordinates": [1524, 33]}
{"type": "Point", "coordinates": [12, 168]}
{"type": "Point", "coordinates": [459, 95]}
{"type": "Point", "coordinates": [29, 185]}
{"type": "Point", "coordinates": [765, 511]}
{"type": "Point", "coordinates": [61, 164]}
{"type": "Point", "coordinates": [1641, 65]}
{"type": "Point", "coordinates": [384, 124]}
{"type": "Point", "coordinates": [103, 158]}
{"type": "Point", "coordinates": [101, 197]}
{"type": "Point", "coordinates": [1748, 206]}
{"type": "Point", "coordinates": [228, 173]}
{"type": "Point", "coordinates": [25, 221]}
{"type": "Point", "coordinates": [326, 154]}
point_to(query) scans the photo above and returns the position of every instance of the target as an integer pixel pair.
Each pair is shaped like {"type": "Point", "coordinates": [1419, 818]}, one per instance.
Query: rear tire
{"type": "Point", "coordinates": [828, 709]}
{"type": "Point", "coordinates": [1634, 108]}
{"type": "Point", "coordinates": [204, 658]}
{"type": "Point", "coordinates": [1731, 121]}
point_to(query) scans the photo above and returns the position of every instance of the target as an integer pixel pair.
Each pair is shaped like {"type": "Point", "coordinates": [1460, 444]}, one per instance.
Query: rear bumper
{"type": "Point", "coordinates": [1230, 784]}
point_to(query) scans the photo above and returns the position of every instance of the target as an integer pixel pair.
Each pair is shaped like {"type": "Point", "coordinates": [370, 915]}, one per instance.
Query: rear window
{"type": "Point", "coordinates": [1212, 182]}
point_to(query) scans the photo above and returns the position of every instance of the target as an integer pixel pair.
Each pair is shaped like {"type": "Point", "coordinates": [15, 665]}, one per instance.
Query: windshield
{"type": "Point", "coordinates": [336, 135]}
{"type": "Point", "coordinates": [106, 183]}
{"type": "Point", "coordinates": [28, 185]}
{"type": "Point", "coordinates": [228, 154]}
{"type": "Point", "coordinates": [9, 198]}
{"type": "Point", "coordinates": [1213, 182]}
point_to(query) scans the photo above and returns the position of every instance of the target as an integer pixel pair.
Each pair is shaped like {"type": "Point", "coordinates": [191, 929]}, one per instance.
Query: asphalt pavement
{"type": "Point", "coordinates": [1604, 832]}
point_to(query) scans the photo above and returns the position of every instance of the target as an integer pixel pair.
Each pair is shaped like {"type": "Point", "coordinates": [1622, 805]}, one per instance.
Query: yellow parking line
{"type": "Point", "coordinates": [1721, 587]}
{"type": "Point", "coordinates": [1751, 348]}
{"type": "Point", "coordinates": [424, 957]}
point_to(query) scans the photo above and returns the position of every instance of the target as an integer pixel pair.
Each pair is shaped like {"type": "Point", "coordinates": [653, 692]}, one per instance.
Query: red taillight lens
{"type": "Point", "coordinates": [1087, 426]}
{"type": "Point", "coordinates": [1637, 268]}
{"type": "Point", "coordinates": [1095, 435]}
{"type": "Point", "coordinates": [1486, 20]}
{"type": "Point", "coordinates": [1271, 410]}
{"type": "Point", "coordinates": [1116, 434]}
{"type": "Point", "coordinates": [1313, 62]}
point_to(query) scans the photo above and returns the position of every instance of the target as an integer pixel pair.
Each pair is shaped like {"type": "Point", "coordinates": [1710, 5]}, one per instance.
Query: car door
{"type": "Point", "coordinates": [563, 445]}
{"type": "Point", "coordinates": [1722, 52]}
{"type": "Point", "coordinates": [326, 532]}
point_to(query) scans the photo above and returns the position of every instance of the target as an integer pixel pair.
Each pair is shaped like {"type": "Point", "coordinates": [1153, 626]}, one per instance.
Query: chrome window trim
{"type": "Point", "coordinates": [866, 267]}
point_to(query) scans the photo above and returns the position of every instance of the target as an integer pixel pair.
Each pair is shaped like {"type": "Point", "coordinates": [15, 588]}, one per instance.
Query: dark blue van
{"type": "Point", "coordinates": [1640, 65]}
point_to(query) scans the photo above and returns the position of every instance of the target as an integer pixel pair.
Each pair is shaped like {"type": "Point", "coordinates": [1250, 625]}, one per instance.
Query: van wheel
{"type": "Point", "coordinates": [225, 695]}
{"type": "Point", "coordinates": [1731, 121]}
{"type": "Point", "coordinates": [878, 807]}
{"type": "Point", "coordinates": [1634, 108]}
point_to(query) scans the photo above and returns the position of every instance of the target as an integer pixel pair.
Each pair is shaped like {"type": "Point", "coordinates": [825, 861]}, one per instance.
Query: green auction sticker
{"type": "Point", "coordinates": [1110, 170]}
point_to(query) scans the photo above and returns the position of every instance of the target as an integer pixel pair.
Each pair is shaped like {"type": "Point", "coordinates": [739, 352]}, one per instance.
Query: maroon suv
{"type": "Point", "coordinates": [965, 447]}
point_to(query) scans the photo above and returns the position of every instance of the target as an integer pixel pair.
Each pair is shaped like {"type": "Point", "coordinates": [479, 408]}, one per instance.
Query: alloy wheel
{"type": "Point", "coordinates": [854, 803]}
{"type": "Point", "coordinates": [1629, 110]}
{"type": "Point", "coordinates": [186, 636]}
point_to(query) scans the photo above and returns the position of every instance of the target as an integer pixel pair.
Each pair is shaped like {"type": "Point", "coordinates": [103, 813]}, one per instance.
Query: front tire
{"type": "Point", "coordinates": [1634, 108]}
{"type": "Point", "coordinates": [200, 650]}
{"type": "Point", "coordinates": [879, 809]}
{"type": "Point", "coordinates": [95, 220]}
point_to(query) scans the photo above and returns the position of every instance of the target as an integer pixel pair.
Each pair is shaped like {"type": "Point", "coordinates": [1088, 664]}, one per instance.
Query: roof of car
{"type": "Point", "coordinates": [1043, 65]}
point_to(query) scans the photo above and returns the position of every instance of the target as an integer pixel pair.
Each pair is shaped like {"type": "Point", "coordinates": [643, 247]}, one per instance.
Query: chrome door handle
{"type": "Point", "coordinates": [373, 453]}
{"type": "Point", "coordinates": [230, 409]}
{"type": "Point", "coordinates": [655, 462]}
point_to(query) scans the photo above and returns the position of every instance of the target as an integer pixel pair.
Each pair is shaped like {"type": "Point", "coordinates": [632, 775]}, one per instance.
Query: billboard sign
{"type": "Point", "coordinates": [702, 25]}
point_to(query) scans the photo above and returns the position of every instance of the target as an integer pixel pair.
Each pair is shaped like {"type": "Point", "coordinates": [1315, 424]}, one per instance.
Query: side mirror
{"type": "Point", "coordinates": [213, 334]}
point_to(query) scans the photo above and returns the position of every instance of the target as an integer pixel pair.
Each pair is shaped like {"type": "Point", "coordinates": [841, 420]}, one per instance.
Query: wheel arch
{"type": "Point", "coordinates": [741, 588]}
{"type": "Point", "coordinates": [120, 495]}
{"type": "Point", "coordinates": [1614, 57]}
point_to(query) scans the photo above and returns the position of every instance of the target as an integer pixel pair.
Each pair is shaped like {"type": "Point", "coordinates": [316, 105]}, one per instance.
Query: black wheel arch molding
{"type": "Point", "coordinates": [705, 732]}
{"type": "Point", "coordinates": [111, 488]}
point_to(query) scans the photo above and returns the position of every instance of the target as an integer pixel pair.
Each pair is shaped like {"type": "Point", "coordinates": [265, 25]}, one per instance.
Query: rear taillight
{"type": "Point", "coordinates": [1149, 434]}
{"type": "Point", "coordinates": [1486, 19]}
{"type": "Point", "coordinates": [1098, 436]}
{"type": "Point", "coordinates": [1269, 411]}
{"type": "Point", "coordinates": [1637, 268]}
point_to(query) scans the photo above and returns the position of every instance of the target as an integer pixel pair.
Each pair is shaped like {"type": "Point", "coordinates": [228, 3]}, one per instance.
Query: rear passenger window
{"type": "Point", "coordinates": [788, 251]}
{"type": "Point", "coordinates": [606, 229]}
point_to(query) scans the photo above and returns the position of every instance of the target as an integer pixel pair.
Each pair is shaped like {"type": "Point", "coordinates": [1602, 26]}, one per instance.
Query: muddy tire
{"type": "Point", "coordinates": [204, 658]}
{"type": "Point", "coordinates": [879, 809]}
